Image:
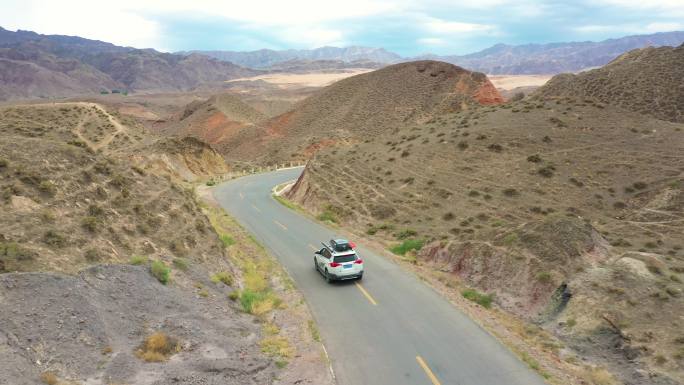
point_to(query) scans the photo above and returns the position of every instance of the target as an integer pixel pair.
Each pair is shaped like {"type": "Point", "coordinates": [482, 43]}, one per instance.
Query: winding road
{"type": "Point", "coordinates": [389, 329]}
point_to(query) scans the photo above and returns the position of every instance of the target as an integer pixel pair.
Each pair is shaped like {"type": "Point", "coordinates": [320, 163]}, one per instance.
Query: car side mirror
{"type": "Point", "coordinates": [317, 252]}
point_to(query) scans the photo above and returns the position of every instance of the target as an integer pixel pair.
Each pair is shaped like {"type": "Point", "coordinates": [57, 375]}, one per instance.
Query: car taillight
{"type": "Point", "coordinates": [334, 264]}
{"type": "Point", "coordinates": [359, 261]}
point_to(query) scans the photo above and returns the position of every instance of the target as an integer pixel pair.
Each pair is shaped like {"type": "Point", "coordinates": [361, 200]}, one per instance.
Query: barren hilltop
{"type": "Point", "coordinates": [362, 107]}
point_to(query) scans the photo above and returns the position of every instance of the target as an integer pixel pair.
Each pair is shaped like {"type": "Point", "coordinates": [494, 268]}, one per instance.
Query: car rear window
{"type": "Point", "coordinates": [345, 258]}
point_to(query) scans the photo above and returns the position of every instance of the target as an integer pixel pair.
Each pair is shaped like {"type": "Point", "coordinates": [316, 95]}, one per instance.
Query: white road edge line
{"type": "Point", "coordinates": [332, 372]}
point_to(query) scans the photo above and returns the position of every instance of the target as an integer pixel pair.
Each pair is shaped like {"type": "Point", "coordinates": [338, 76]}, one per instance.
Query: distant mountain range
{"type": "Point", "coordinates": [265, 58]}
{"type": "Point", "coordinates": [549, 58]}
{"type": "Point", "coordinates": [555, 58]}
{"type": "Point", "coordinates": [34, 66]}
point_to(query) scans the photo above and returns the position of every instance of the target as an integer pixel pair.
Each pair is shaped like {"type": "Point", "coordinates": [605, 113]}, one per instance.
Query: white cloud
{"type": "Point", "coordinates": [669, 8]}
{"type": "Point", "coordinates": [106, 21]}
{"type": "Point", "coordinates": [631, 28]}
{"type": "Point", "coordinates": [440, 26]}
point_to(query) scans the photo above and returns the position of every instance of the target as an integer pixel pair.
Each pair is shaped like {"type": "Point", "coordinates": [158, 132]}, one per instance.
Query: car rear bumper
{"type": "Point", "coordinates": [340, 277]}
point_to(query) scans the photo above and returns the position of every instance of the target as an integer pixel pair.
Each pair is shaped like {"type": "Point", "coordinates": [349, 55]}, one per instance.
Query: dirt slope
{"type": "Point", "coordinates": [215, 120]}
{"type": "Point", "coordinates": [648, 81]}
{"type": "Point", "coordinates": [570, 213]}
{"type": "Point", "coordinates": [362, 107]}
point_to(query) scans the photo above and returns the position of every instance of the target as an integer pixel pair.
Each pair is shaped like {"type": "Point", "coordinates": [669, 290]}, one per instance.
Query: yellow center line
{"type": "Point", "coordinates": [312, 247]}
{"type": "Point", "coordinates": [256, 208]}
{"type": "Point", "coordinates": [280, 224]}
{"type": "Point", "coordinates": [427, 370]}
{"type": "Point", "coordinates": [365, 293]}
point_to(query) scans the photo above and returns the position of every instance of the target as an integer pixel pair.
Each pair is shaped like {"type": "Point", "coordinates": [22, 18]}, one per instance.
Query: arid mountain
{"type": "Point", "coordinates": [42, 66]}
{"type": "Point", "coordinates": [216, 120]}
{"type": "Point", "coordinates": [362, 107]}
{"type": "Point", "coordinates": [266, 57]}
{"type": "Point", "coordinates": [566, 212]}
{"type": "Point", "coordinates": [306, 66]}
{"type": "Point", "coordinates": [552, 58]}
{"type": "Point", "coordinates": [556, 58]}
{"type": "Point", "coordinates": [648, 81]}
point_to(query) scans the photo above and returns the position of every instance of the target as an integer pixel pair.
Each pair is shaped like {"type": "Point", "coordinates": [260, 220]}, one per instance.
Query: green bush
{"type": "Point", "coordinates": [484, 300]}
{"type": "Point", "coordinates": [160, 271]}
{"type": "Point", "coordinates": [54, 238]}
{"type": "Point", "coordinates": [227, 240]}
{"type": "Point", "coordinates": [222, 276]}
{"type": "Point", "coordinates": [90, 223]}
{"type": "Point", "coordinates": [407, 233]}
{"type": "Point", "coordinates": [327, 216]}
{"type": "Point", "coordinates": [92, 255]}
{"type": "Point", "coordinates": [407, 245]}
{"type": "Point", "coordinates": [211, 183]}
{"type": "Point", "coordinates": [234, 295]}
{"type": "Point", "coordinates": [544, 277]}
{"type": "Point", "coordinates": [138, 260]}
{"type": "Point", "coordinates": [249, 298]}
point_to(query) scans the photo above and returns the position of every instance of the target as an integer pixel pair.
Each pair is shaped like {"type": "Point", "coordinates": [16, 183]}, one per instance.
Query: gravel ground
{"type": "Point", "coordinates": [86, 328]}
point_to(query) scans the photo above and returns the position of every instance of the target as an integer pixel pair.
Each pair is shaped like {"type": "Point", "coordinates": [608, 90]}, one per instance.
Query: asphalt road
{"type": "Point", "coordinates": [389, 328]}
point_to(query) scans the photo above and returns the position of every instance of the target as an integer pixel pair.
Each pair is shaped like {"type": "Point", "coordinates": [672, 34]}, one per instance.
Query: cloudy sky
{"type": "Point", "coordinates": [408, 27]}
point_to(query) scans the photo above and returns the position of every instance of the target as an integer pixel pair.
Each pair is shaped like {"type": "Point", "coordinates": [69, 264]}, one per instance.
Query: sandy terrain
{"type": "Point", "coordinates": [317, 79]}
{"type": "Point", "coordinates": [509, 82]}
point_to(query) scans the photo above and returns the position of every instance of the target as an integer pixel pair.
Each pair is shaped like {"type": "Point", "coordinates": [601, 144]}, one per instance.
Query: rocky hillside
{"type": "Point", "coordinates": [72, 197]}
{"type": "Point", "coordinates": [48, 66]}
{"type": "Point", "coordinates": [567, 212]}
{"type": "Point", "coordinates": [111, 272]}
{"type": "Point", "coordinates": [648, 81]}
{"type": "Point", "coordinates": [364, 106]}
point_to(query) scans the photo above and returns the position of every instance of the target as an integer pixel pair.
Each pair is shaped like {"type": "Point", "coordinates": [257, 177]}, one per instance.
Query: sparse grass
{"type": "Point", "coordinates": [484, 300]}
{"type": "Point", "coordinates": [511, 192]}
{"type": "Point", "coordinates": [276, 346]}
{"type": "Point", "coordinates": [160, 271]}
{"type": "Point", "coordinates": [407, 245]}
{"type": "Point", "coordinates": [181, 264]}
{"type": "Point", "coordinates": [222, 276]}
{"type": "Point", "coordinates": [234, 295]}
{"type": "Point", "coordinates": [138, 260]}
{"type": "Point", "coordinates": [157, 347]}
{"type": "Point", "coordinates": [286, 202]}
{"type": "Point", "coordinates": [313, 329]}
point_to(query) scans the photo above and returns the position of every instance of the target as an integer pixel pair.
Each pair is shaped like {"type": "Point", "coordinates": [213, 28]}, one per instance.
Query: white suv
{"type": "Point", "coordinates": [338, 265]}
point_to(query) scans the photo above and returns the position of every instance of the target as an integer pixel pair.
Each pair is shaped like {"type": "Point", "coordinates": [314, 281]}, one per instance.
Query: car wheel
{"type": "Point", "coordinates": [315, 264]}
{"type": "Point", "coordinates": [360, 276]}
{"type": "Point", "coordinates": [328, 278]}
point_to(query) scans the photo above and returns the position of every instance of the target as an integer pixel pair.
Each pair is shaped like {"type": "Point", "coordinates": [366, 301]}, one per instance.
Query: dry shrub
{"type": "Point", "coordinates": [158, 347]}
{"type": "Point", "coordinates": [599, 376]}
{"type": "Point", "coordinates": [49, 378]}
